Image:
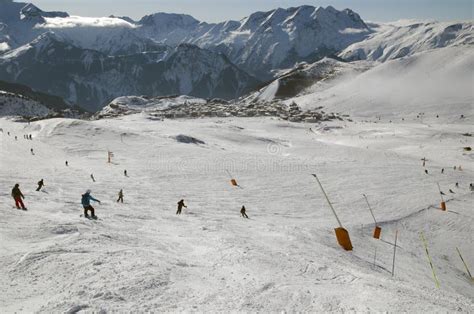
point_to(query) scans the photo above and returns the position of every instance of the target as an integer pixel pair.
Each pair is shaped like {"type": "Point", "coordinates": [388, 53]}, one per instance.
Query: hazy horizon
{"type": "Point", "coordinates": [369, 10]}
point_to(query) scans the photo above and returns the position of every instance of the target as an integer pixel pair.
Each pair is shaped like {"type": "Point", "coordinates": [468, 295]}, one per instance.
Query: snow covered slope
{"type": "Point", "coordinates": [20, 100]}
{"type": "Point", "coordinates": [438, 81]}
{"type": "Point", "coordinates": [302, 78]}
{"type": "Point", "coordinates": [16, 105]}
{"type": "Point", "coordinates": [141, 257]}
{"type": "Point", "coordinates": [392, 41]}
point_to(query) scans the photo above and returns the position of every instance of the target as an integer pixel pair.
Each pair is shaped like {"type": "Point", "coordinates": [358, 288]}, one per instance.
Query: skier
{"type": "Point", "coordinates": [16, 138]}
{"type": "Point", "coordinates": [92, 177]}
{"type": "Point", "coordinates": [86, 203]}
{"type": "Point", "coordinates": [31, 150]}
{"type": "Point", "coordinates": [471, 187]}
{"type": "Point", "coordinates": [426, 171]}
{"type": "Point", "coordinates": [242, 212]}
{"type": "Point", "coordinates": [457, 184]}
{"type": "Point", "coordinates": [180, 207]}
{"type": "Point", "coordinates": [17, 196]}
{"type": "Point", "coordinates": [125, 173]}
{"type": "Point", "coordinates": [31, 137]}
{"type": "Point", "coordinates": [40, 185]}
{"type": "Point", "coordinates": [442, 170]}
{"type": "Point", "coordinates": [66, 163]}
{"type": "Point", "coordinates": [120, 196]}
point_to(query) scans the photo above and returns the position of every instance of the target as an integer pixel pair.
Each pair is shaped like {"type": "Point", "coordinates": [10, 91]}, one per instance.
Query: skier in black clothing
{"type": "Point", "coordinates": [120, 196]}
{"type": "Point", "coordinates": [66, 163]}
{"type": "Point", "coordinates": [242, 212]}
{"type": "Point", "coordinates": [180, 207]}
{"type": "Point", "coordinates": [125, 173]}
{"type": "Point", "coordinates": [40, 185]}
{"type": "Point", "coordinates": [92, 177]}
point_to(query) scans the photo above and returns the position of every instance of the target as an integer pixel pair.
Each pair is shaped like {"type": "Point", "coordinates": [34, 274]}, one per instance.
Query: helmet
{"type": "Point", "coordinates": [88, 191]}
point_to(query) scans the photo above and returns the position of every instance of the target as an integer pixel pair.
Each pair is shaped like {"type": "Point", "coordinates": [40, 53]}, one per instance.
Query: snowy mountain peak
{"type": "Point", "coordinates": [168, 20]}
{"type": "Point", "coordinates": [31, 11]}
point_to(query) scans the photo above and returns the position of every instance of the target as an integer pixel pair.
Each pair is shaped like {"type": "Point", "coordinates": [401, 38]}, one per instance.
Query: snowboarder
{"type": "Point", "coordinates": [18, 196]}
{"type": "Point", "coordinates": [125, 173]}
{"type": "Point", "coordinates": [40, 185]}
{"type": "Point", "coordinates": [86, 203]}
{"type": "Point", "coordinates": [92, 177]}
{"type": "Point", "coordinates": [66, 163]}
{"type": "Point", "coordinates": [120, 196]}
{"type": "Point", "coordinates": [242, 212]}
{"type": "Point", "coordinates": [180, 207]}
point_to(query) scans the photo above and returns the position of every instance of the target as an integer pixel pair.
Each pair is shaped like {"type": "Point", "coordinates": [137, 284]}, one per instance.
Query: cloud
{"type": "Point", "coordinates": [79, 21]}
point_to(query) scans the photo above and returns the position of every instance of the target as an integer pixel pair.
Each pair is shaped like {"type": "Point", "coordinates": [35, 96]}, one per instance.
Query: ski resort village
{"type": "Point", "coordinates": [300, 159]}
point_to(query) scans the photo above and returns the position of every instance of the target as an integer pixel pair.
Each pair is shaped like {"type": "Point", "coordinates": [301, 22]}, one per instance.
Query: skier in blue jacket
{"type": "Point", "coordinates": [86, 203]}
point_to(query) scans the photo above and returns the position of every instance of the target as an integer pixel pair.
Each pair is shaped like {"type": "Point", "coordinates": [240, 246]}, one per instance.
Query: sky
{"type": "Point", "coordinates": [221, 10]}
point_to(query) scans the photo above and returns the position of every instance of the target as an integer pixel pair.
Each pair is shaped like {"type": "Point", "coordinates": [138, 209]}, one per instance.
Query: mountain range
{"type": "Point", "coordinates": [90, 61]}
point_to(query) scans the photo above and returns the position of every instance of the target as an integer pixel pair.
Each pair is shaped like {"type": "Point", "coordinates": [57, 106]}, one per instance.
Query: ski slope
{"type": "Point", "coordinates": [139, 256]}
{"type": "Point", "coordinates": [438, 81]}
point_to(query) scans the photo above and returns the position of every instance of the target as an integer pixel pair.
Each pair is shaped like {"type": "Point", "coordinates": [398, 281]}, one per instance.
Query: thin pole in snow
{"type": "Point", "coordinates": [327, 199]}
{"type": "Point", "coordinates": [375, 255]}
{"type": "Point", "coordinates": [465, 265]}
{"type": "Point", "coordinates": [371, 212]}
{"type": "Point", "coordinates": [429, 259]}
{"type": "Point", "coordinates": [394, 252]}
{"type": "Point", "coordinates": [439, 189]}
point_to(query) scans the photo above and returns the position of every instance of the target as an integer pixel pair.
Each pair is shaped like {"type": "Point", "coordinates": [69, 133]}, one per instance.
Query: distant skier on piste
{"type": "Point", "coordinates": [40, 185]}
{"type": "Point", "coordinates": [243, 212]}
{"type": "Point", "coordinates": [180, 207]}
{"type": "Point", "coordinates": [120, 196]}
{"type": "Point", "coordinates": [18, 196]}
{"type": "Point", "coordinates": [86, 203]}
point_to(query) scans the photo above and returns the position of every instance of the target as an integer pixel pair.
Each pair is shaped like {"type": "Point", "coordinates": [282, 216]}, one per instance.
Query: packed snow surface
{"type": "Point", "coordinates": [141, 257]}
{"type": "Point", "coordinates": [439, 81]}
